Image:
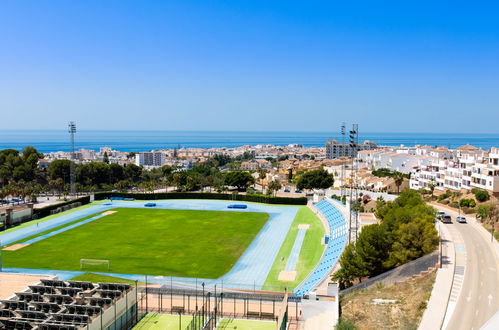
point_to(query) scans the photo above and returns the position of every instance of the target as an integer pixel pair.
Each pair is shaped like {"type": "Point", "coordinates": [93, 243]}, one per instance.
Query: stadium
{"type": "Point", "coordinates": [173, 250]}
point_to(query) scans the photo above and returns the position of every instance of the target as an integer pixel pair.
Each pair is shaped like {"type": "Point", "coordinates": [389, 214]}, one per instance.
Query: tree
{"type": "Point", "coordinates": [316, 179]}
{"type": "Point", "coordinates": [132, 172]}
{"type": "Point", "coordinates": [493, 218]}
{"type": "Point", "coordinates": [483, 212]}
{"type": "Point", "coordinates": [59, 169]}
{"type": "Point", "coordinates": [431, 185]}
{"type": "Point", "coordinates": [274, 186]}
{"type": "Point", "coordinates": [105, 158]}
{"type": "Point", "coordinates": [372, 247]}
{"type": "Point", "coordinates": [262, 174]}
{"type": "Point", "coordinates": [240, 179]}
{"type": "Point", "coordinates": [398, 178]}
{"type": "Point", "coordinates": [352, 267]}
{"type": "Point", "coordinates": [413, 240]}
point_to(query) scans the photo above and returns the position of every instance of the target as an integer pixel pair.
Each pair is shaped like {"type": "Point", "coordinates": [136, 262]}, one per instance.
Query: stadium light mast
{"type": "Point", "coordinates": [343, 153]}
{"type": "Point", "coordinates": [72, 131]}
{"type": "Point", "coordinates": [354, 141]}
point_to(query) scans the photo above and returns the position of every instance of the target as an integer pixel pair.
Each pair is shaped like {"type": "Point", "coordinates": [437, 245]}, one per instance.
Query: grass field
{"type": "Point", "coordinates": [310, 253]}
{"type": "Point", "coordinates": [185, 243]}
{"type": "Point", "coordinates": [163, 322]}
{"type": "Point", "coordinates": [232, 324]}
{"type": "Point", "coordinates": [98, 278]}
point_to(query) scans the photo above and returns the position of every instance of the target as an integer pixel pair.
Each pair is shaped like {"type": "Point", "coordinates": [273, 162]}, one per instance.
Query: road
{"type": "Point", "coordinates": [475, 292]}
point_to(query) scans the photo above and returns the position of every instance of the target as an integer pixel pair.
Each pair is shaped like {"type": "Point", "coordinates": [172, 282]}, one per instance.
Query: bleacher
{"type": "Point", "coordinates": [57, 305]}
{"type": "Point", "coordinates": [335, 245]}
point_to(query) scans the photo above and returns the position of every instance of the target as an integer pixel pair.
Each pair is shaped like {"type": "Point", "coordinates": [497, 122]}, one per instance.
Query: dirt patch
{"type": "Point", "coordinates": [15, 247]}
{"type": "Point", "coordinates": [410, 296]}
{"type": "Point", "coordinates": [303, 226]}
{"type": "Point", "coordinates": [12, 283]}
{"type": "Point", "coordinates": [287, 275]}
{"type": "Point", "coordinates": [109, 212]}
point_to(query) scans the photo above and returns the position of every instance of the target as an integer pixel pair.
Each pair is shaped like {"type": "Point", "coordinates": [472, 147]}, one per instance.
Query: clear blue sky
{"type": "Point", "coordinates": [417, 66]}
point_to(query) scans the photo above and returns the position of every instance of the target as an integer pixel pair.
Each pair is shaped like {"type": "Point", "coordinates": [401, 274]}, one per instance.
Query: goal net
{"type": "Point", "coordinates": [95, 262]}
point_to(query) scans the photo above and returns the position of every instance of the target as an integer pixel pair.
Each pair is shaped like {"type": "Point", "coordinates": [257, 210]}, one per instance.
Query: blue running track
{"type": "Point", "coordinates": [250, 271]}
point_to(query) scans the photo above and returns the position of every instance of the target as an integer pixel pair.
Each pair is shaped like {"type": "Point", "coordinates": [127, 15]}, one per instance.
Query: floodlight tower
{"type": "Point", "coordinates": [342, 154]}
{"type": "Point", "coordinates": [72, 131]}
{"type": "Point", "coordinates": [354, 141]}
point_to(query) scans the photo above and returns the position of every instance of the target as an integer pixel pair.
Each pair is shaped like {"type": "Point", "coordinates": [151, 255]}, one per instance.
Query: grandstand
{"type": "Point", "coordinates": [55, 305]}
{"type": "Point", "coordinates": [335, 245]}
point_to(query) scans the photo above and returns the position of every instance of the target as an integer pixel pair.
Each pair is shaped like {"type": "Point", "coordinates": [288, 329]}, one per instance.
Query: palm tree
{"type": "Point", "coordinates": [273, 187]}
{"type": "Point", "coordinates": [431, 185]}
{"type": "Point", "coordinates": [398, 178]}
{"type": "Point", "coordinates": [262, 174]}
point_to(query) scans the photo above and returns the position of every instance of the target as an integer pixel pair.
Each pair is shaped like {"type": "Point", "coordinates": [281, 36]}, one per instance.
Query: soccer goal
{"type": "Point", "coordinates": [95, 262]}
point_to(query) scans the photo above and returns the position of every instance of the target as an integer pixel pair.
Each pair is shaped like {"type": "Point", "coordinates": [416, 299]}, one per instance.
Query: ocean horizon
{"type": "Point", "coordinates": [129, 140]}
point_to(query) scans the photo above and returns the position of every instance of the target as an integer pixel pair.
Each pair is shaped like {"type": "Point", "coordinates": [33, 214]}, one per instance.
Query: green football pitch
{"type": "Point", "coordinates": [186, 243]}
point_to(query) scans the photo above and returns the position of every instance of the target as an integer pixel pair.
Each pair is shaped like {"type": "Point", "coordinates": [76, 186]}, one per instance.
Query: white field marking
{"type": "Point", "coordinates": [481, 283]}
{"type": "Point", "coordinates": [490, 298]}
{"type": "Point", "coordinates": [468, 298]}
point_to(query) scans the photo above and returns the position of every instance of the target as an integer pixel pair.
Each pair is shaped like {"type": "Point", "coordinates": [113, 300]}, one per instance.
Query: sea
{"type": "Point", "coordinates": [59, 140]}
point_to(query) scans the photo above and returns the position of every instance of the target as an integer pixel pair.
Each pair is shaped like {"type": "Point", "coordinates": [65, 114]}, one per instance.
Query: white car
{"type": "Point", "coordinates": [461, 219]}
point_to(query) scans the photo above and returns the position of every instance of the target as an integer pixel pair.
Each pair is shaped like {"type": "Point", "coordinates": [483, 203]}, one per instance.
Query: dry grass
{"type": "Point", "coordinates": [412, 295]}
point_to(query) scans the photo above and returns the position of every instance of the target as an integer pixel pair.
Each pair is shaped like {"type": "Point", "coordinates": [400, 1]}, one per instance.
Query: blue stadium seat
{"type": "Point", "coordinates": [335, 245]}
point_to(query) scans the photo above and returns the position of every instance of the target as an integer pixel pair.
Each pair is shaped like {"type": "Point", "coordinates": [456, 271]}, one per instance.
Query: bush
{"type": "Point", "coordinates": [481, 195]}
{"type": "Point", "coordinates": [454, 204]}
{"type": "Point", "coordinates": [345, 325]}
{"type": "Point", "coordinates": [468, 210]}
{"type": "Point", "coordinates": [188, 195]}
{"type": "Point", "coordinates": [467, 202]}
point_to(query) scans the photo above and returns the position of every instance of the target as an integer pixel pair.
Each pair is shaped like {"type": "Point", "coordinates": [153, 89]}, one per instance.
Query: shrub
{"type": "Point", "coordinates": [467, 202]}
{"type": "Point", "coordinates": [468, 210]}
{"type": "Point", "coordinates": [454, 204]}
{"type": "Point", "coordinates": [345, 325]}
{"type": "Point", "coordinates": [481, 195]}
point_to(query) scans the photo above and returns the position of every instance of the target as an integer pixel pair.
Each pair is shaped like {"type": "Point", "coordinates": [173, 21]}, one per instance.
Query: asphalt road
{"type": "Point", "coordinates": [478, 299]}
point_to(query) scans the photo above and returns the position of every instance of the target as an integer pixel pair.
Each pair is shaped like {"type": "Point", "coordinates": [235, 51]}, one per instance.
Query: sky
{"type": "Point", "coordinates": [390, 66]}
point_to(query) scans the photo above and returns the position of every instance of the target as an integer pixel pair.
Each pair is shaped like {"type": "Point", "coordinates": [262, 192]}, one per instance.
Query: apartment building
{"type": "Point", "coordinates": [469, 168]}
{"type": "Point", "coordinates": [150, 159]}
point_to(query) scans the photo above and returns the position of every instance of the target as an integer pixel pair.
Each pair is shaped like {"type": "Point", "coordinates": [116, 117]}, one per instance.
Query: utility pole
{"type": "Point", "coordinates": [72, 131]}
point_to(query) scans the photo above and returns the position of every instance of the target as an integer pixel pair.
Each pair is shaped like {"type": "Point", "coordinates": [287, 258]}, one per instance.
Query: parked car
{"type": "Point", "coordinates": [446, 218]}
{"type": "Point", "coordinates": [298, 191]}
{"type": "Point", "coordinates": [461, 219]}
{"type": "Point", "coordinates": [286, 190]}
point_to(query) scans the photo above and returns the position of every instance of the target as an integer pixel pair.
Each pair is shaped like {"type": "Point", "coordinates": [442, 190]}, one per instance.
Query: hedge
{"type": "Point", "coordinates": [194, 195]}
{"type": "Point", "coordinates": [45, 211]}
